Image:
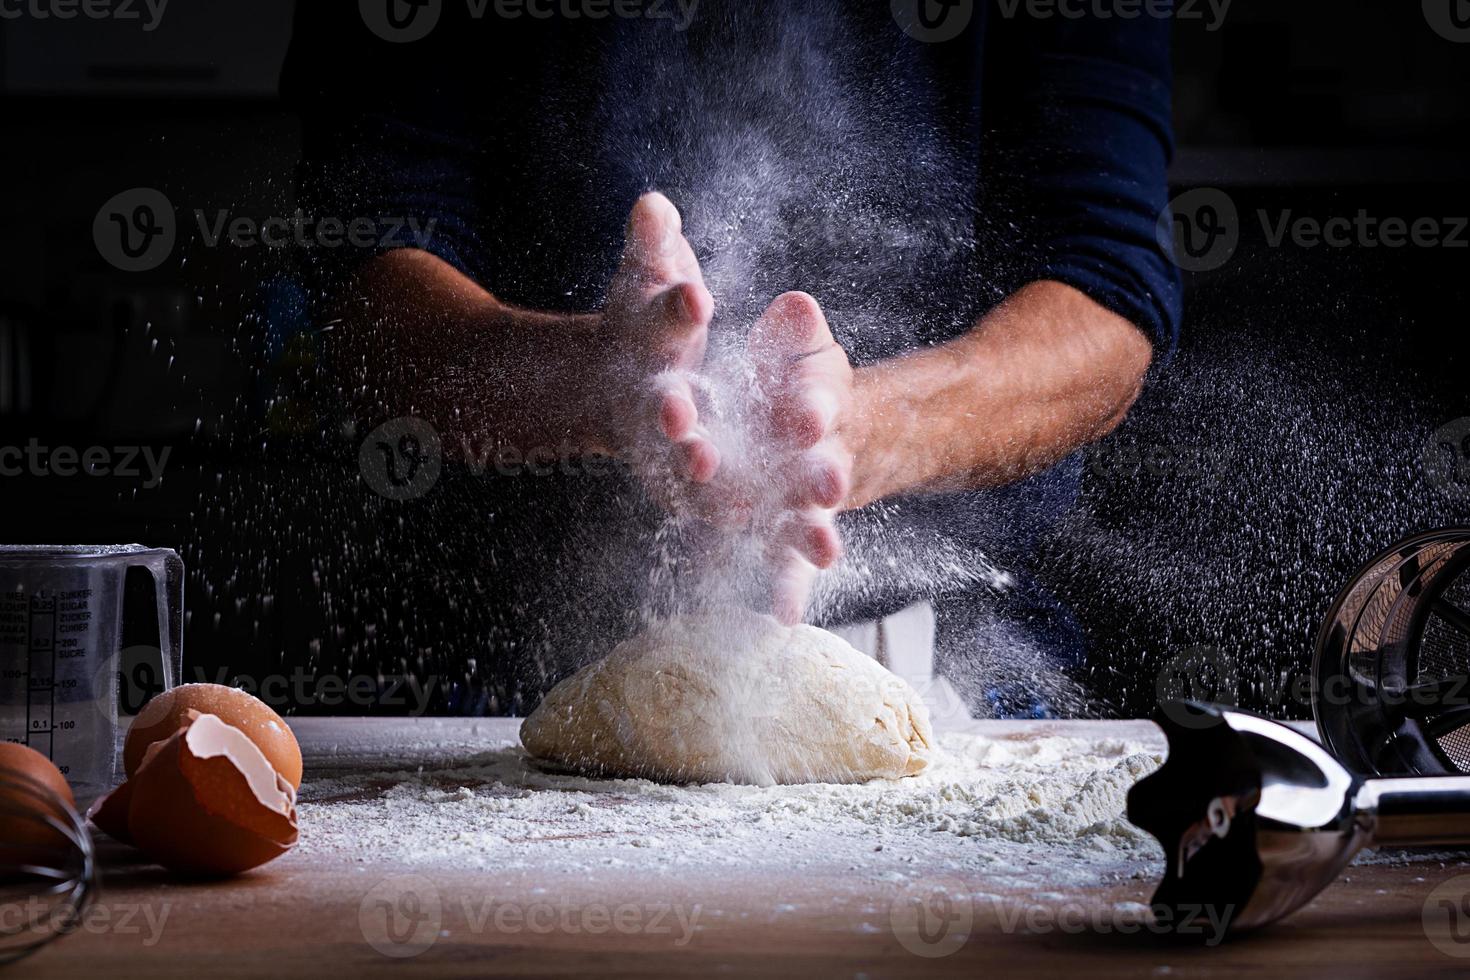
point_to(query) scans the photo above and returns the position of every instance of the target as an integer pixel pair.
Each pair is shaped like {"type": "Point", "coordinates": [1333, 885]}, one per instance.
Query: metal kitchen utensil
{"type": "Point", "coordinates": [1257, 818]}
{"type": "Point", "coordinates": [1390, 691]}
{"type": "Point", "coordinates": [49, 876]}
{"type": "Point", "coordinates": [61, 633]}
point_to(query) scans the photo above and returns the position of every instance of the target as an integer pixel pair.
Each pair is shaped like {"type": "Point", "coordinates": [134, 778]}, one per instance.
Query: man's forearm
{"type": "Point", "coordinates": [419, 337]}
{"type": "Point", "coordinates": [1048, 371]}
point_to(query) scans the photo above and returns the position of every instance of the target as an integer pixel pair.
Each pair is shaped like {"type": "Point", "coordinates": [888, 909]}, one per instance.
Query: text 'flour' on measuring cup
{"type": "Point", "coordinates": [69, 617]}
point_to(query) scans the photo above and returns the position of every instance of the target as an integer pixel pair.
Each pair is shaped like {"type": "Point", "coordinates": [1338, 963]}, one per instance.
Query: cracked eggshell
{"type": "Point", "coordinates": [207, 801]}
{"type": "Point", "coordinates": [171, 710]}
{"type": "Point", "coordinates": [110, 813]}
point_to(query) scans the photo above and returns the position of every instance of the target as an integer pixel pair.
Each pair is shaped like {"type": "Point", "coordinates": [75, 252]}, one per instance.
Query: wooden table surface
{"type": "Point", "coordinates": [295, 917]}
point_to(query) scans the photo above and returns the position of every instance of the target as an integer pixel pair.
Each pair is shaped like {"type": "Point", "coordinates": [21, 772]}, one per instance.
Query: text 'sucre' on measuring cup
{"type": "Point", "coordinates": [65, 613]}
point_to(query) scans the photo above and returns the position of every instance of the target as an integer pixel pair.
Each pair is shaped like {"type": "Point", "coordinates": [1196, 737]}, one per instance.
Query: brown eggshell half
{"type": "Point", "coordinates": [171, 710]}
{"type": "Point", "coordinates": [110, 813]}
{"type": "Point", "coordinates": [208, 802]}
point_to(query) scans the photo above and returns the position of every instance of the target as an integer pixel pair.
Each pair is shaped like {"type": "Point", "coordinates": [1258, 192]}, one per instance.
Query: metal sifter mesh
{"type": "Point", "coordinates": [1392, 669]}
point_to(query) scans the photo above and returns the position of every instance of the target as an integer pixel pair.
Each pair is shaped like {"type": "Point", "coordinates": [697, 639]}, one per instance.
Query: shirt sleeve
{"type": "Point", "coordinates": [1076, 142]}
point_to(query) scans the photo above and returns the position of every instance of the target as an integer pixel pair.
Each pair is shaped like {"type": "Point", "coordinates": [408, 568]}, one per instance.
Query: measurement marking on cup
{"type": "Point", "coordinates": [42, 650]}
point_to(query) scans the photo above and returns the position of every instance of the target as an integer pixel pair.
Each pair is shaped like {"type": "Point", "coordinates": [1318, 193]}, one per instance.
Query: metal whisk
{"type": "Point", "coordinates": [48, 868]}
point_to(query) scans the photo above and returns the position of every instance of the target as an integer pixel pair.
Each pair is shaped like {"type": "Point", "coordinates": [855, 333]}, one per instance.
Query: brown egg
{"type": "Point", "coordinates": [32, 789]}
{"type": "Point", "coordinates": [169, 711]}
{"type": "Point", "coordinates": [207, 801]}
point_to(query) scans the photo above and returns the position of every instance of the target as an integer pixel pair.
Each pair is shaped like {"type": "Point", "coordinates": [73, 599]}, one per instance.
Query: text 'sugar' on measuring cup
{"type": "Point", "coordinates": [65, 614]}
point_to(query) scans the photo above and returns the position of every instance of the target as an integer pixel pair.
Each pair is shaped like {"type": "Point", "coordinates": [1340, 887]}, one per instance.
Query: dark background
{"type": "Point", "coordinates": [1281, 447]}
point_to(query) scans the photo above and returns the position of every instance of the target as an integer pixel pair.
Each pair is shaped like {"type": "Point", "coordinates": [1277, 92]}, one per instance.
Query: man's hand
{"type": "Point", "coordinates": [804, 386]}
{"type": "Point", "coordinates": [791, 469]}
{"type": "Point", "coordinates": [656, 326]}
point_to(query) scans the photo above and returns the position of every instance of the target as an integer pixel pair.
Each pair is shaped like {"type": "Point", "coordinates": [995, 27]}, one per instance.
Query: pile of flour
{"type": "Point", "coordinates": [1024, 811]}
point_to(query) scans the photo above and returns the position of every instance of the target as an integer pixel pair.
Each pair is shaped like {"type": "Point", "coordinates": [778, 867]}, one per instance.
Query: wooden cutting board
{"type": "Point", "coordinates": [327, 918]}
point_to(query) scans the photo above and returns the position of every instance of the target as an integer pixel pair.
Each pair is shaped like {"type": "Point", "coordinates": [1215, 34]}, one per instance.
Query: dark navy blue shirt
{"type": "Point", "coordinates": [909, 184]}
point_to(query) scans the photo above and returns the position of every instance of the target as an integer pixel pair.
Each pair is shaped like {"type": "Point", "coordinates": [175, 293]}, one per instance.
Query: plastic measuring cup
{"type": "Point", "coordinates": [62, 615]}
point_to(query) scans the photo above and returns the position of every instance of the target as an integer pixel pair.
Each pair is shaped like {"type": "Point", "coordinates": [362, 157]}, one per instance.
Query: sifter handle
{"type": "Point", "coordinates": [1418, 810]}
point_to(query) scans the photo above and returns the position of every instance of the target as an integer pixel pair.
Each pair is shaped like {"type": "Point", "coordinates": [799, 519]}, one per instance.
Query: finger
{"type": "Point", "coordinates": [698, 459]}
{"type": "Point", "coordinates": [811, 534]}
{"type": "Point", "coordinates": [656, 252]}
{"type": "Point", "coordinates": [803, 417]}
{"type": "Point", "coordinates": [799, 368]}
{"type": "Point", "coordinates": [822, 479]}
{"type": "Point", "coordinates": [677, 416]}
{"type": "Point", "coordinates": [791, 587]}
{"type": "Point", "coordinates": [693, 455]}
{"type": "Point", "coordinates": [793, 326]}
{"type": "Point", "coordinates": [820, 543]}
{"type": "Point", "coordinates": [682, 331]}
{"type": "Point", "coordinates": [654, 226]}
{"type": "Point", "coordinates": [673, 400]}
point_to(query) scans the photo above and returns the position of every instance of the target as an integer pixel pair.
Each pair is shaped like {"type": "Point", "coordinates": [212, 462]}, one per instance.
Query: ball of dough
{"type": "Point", "coordinates": [733, 696]}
